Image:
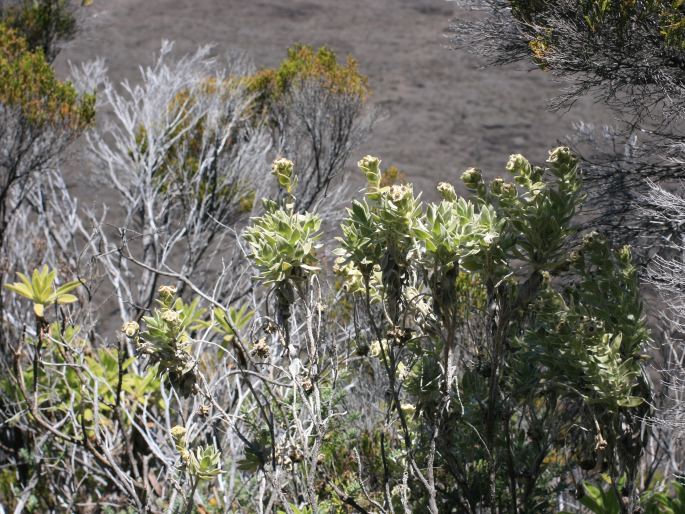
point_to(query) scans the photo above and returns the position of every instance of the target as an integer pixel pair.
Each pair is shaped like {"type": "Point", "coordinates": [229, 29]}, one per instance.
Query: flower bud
{"type": "Point", "coordinates": [167, 293]}
{"type": "Point", "coordinates": [508, 190]}
{"type": "Point", "coordinates": [172, 317]}
{"type": "Point", "coordinates": [398, 192]}
{"type": "Point", "coordinates": [518, 164]}
{"type": "Point", "coordinates": [496, 186]}
{"type": "Point", "coordinates": [178, 432]}
{"type": "Point", "coordinates": [561, 155]}
{"type": "Point", "coordinates": [472, 178]}
{"type": "Point", "coordinates": [447, 192]}
{"type": "Point", "coordinates": [370, 166]}
{"type": "Point", "coordinates": [624, 254]}
{"type": "Point", "coordinates": [282, 169]}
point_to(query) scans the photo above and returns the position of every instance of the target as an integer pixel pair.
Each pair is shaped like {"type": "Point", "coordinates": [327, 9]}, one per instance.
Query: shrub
{"type": "Point", "coordinates": [478, 353]}
{"type": "Point", "coordinates": [629, 56]}
{"type": "Point", "coordinates": [44, 24]}
{"type": "Point", "coordinates": [453, 414]}
{"type": "Point", "coordinates": [317, 110]}
{"type": "Point", "coordinates": [304, 64]}
{"type": "Point", "coordinates": [39, 116]}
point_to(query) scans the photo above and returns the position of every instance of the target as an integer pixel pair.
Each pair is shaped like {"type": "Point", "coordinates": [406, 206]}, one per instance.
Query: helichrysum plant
{"type": "Point", "coordinates": [165, 339]}
{"type": "Point", "coordinates": [203, 463]}
{"type": "Point", "coordinates": [283, 243]}
{"type": "Point", "coordinates": [540, 323]}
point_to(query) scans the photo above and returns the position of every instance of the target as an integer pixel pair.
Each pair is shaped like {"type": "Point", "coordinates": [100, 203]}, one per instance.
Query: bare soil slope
{"type": "Point", "coordinates": [443, 113]}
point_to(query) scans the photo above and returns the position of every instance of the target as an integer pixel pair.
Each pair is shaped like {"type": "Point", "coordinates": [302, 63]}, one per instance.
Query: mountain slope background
{"type": "Point", "coordinates": [442, 111]}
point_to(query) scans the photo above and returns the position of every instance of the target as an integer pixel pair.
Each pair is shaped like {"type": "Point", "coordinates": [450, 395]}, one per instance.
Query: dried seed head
{"type": "Point", "coordinates": [261, 348]}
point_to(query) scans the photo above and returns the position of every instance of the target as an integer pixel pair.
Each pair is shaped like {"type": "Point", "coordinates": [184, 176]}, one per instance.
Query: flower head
{"type": "Point", "coordinates": [370, 166]}
{"type": "Point", "coordinates": [398, 192]}
{"type": "Point", "coordinates": [518, 164]}
{"type": "Point", "coordinates": [172, 317]}
{"type": "Point", "coordinates": [496, 186]}
{"type": "Point", "coordinates": [447, 192]}
{"type": "Point", "coordinates": [561, 155]}
{"type": "Point", "coordinates": [282, 169]}
{"type": "Point", "coordinates": [167, 293]}
{"type": "Point", "coordinates": [472, 178]}
{"type": "Point", "coordinates": [178, 432]}
{"type": "Point", "coordinates": [130, 328]}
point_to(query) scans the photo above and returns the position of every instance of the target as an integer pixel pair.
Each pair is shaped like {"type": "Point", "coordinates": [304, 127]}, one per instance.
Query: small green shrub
{"type": "Point", "coordinates": [43, 23]}
{"type": "Point", "coordinates": [303, 63]}
{"type": "Point", "coordinates": [28, 83]}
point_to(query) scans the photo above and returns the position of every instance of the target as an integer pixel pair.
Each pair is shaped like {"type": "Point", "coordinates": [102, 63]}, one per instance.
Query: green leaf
{"type": "Point", "coordinates": [630, 401]}
{"type": "Point", "coordinates": [66, 298]}
{"type": "Point", "coordinates": [69, 286]}
{"type": "Point", "coordinates": [21, 289]}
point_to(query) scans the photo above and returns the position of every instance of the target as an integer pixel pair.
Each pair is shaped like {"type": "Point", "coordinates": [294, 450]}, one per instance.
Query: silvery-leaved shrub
{"type": "Point", "coordinates": [512, 349]}
{"type": "Point", "coordinates": [284, 242]}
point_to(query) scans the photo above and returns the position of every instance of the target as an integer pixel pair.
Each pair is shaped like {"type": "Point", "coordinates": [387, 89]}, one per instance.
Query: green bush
{"type": "Point", "coordinates": [44, 24]}
{"type": "Point", "coordinates": [28, 83]}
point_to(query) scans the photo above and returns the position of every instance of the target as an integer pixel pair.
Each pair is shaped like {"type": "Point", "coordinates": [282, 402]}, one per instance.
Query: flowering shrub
{"type": "Point", "coordinates": [494, 368]}
{"type": "Point", "coordinates": [166, 340]}
{"type": "Point", "coordinates": [504, 352]}
{"type": "Point", "coordinates": [479, 353]}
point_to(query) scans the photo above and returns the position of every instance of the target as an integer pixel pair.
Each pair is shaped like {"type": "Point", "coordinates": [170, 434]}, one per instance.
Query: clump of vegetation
{"type": "Point", "coordinates": [513, 241]}
{"type": "Point", "coordinates": [296, 96]}
{"type": "Point", "coordinates": [29, 85]}
{"type": "Point", "coordinates": [44, 24]}
{"type": "Point", "coordinates": [304, 64]}
{"type": "Point", "coordinates": [628, 56]}
{"type": "Point", "coordinates": [39, 117]}
{"type": "Point", "coordinates": [479, 353]}
{"type": "Point", "coordinates": [465, 307]}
